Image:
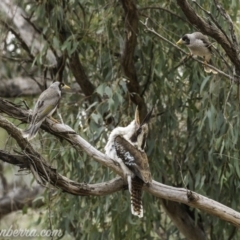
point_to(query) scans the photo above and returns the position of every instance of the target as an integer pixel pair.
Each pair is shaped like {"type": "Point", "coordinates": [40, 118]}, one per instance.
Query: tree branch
{"type": "Point", "coordinates": [131, 26]}
{"type": "Point", "coordinates": [187, 54]}
{"type": "Point", "coordinates": [35, 162]}
{"type": "Point", "coordinates": [195, 200]}
{"type": "Point", "coordinates": [18, 36]}
{"type": "Point", "coordinates": [186, 224]}
{"type": "Point", "coordinates": [80, 75]}
{"type": "Point", "coordinates": [62, 182]}
{"type": "Point", "coordinates": [19, 86]}
{"type": "Point", "coordinates": [230, 24]}
{"type": "Point", "coordinates": [212, 31]}
{"type": "Point", "coordinates": [75, 64]}
{"type": "Point", "coordinates": [26, 31]}
{"type": "Point", "coordinates": [43, 172]}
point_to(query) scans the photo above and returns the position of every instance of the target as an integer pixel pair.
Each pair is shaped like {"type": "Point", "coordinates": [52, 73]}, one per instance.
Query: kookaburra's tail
{"type": "Point", "coordinates": [136, 196]}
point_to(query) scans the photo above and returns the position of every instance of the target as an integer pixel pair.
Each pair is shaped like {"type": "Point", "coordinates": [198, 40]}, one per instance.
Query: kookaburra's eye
{"type": "Point", "coordinates": [139, 130]}
{"type": "Point", "coordinates": [62, 85]}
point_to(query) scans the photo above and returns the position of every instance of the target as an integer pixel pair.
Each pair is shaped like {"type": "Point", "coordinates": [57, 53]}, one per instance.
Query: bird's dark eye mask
{"type": "Point", "coordinates": [186, 40]}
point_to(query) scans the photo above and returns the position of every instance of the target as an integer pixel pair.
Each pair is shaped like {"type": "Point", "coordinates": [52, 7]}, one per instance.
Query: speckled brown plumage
{"type": "Point", "coordinates": [137, 162]}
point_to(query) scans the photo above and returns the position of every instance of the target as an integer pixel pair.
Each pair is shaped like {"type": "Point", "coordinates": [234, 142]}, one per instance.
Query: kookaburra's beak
{"type": "Point", "coordinates": [180, 41]}
{"type": "Point", "coordinates": [146, 120]}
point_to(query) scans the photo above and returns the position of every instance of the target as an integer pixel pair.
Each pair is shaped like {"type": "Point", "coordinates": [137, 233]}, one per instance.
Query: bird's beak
{"type": "Point", "coordinates": [147, 118]}
{"type": "Point", "coordinates": [179, 42]}
{"type": "Point", "coordinates": [66, 87]}
{"type": "Point", "coordinates": [137, 117]}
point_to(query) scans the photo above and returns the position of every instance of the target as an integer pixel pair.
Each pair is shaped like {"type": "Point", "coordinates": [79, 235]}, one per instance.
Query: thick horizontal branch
{"type": "Point", "coordinates": [59, 181]}
{"type": "Point", "coordinates": [42, 171]}
{"type": "Point", "coordinates": [40, 168]}
{"type": "Point", "coordinates": [194, 200]}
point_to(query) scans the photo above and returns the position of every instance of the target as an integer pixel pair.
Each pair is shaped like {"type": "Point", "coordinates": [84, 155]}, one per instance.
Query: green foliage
{"type": "Point", "coordinates": [194, 144]}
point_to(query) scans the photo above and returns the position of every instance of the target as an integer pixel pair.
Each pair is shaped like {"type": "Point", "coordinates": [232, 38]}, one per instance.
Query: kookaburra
{"type": "Point", "coordinates": [199, 45]}
{"type": "Point", "coordinates": [126, 146]}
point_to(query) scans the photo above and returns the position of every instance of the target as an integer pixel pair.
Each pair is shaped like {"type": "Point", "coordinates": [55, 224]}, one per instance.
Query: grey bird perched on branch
{"type": "Point", "coordinates": [199, 45]}
{"type": "Point", "coordinates": [46, 105]}
{"type": "Point", "coordinates": [126, 146]}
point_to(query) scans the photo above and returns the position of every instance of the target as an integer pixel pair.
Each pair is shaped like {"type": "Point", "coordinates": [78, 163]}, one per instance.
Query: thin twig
{"type": "Point", "coordinates": [41, 33]}
{"type": "Point", "coordinates": [18, 36]}
{"type": "Point", "coordinates": [33, 78]}
{"type": "Point", "coordinates": [230, 23]}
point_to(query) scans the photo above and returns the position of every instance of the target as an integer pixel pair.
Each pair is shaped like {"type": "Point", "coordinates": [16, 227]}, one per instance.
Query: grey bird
{"type": "Point", "coordinates": [46, 105]}
{"type": "Point", "coordinates": [199, 45]}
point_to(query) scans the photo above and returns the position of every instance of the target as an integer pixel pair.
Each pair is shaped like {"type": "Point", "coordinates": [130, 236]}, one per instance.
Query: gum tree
{"type": "Point", "coordinates": [116, 55]}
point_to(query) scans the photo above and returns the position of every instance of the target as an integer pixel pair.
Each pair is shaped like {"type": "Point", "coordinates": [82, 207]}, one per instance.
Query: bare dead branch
{"type": "Point", "coordinates": [44, 173]}
{"type": "Point", "coordinates": [194, 200]}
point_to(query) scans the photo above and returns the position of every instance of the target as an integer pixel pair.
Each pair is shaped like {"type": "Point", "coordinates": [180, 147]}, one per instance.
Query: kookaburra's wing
{"type": "Point", "coordinates": [135, 160]}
